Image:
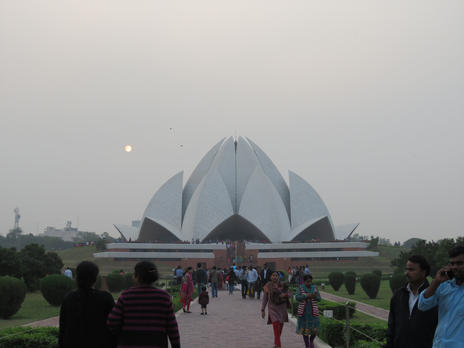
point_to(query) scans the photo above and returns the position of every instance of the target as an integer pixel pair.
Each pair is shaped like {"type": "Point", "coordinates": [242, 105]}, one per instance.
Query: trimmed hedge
{"type": "Point", "coordinates": [12, 294]}
{"type": "Point", "coordinates": [115, 282]}
{"type": "Point", "coordinates": [337, 308]}
{"type": "Point", "coordinates": [27, 337]}
{"type": "Point", "coordinates": [350, 282]}
{"type": "Point", "coordinates": [128, 280]}
{"type": "Point", "coordinates": [336, 280]}
{"type": "Point", "coordinates": [55, 287]}
{"type": "Point", "coordinates": [370, 283]}
{"type": "Point", "coordinates": [333, 332]}
{"type": "Point", "coordinates": [397, 281]}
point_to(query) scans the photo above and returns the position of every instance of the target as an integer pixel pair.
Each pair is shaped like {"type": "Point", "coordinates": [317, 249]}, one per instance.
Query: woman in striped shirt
{"type": "Point", "coordinates": [144, 316]}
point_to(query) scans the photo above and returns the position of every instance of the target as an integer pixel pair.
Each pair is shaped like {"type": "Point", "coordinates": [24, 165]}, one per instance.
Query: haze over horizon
{"type": "Point", "coordinates": [364, 100]}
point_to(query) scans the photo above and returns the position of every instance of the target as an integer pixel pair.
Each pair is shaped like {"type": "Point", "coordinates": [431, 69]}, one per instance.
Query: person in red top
{"type": "Point", "coordinates": [144, 316]}
{"type": "Point", "coordinates": [276, 298]}
{"type": "Point", "coordinates": [186, 291]}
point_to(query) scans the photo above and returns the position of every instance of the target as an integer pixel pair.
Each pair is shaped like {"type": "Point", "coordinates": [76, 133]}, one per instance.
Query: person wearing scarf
{"type": "Point", "coordinates": [276, 298]}
{"type": "Point", "coordinates": [308, 312]}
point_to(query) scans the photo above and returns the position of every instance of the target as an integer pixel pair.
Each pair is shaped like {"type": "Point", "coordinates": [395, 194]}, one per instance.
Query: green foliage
{"type": "Point", "coordinates": [55, 287]}
{"type": "Point", "coordinates": [115, 281]}
{"type": "Point", "coordinates": [9, 262]}
{"type": "Point", "coordinates": [12, 294]}
{"type": "Point", "coordinates": [49, 243]}
{"type": "Point", "coordinates": [370, 283]}
{"type": "Point", "coordinates": [378, 272]}
{"type": "Point", "coordinates": [128, 280]}
{"type": "Point", "coordinates": [98, 283]}
{"type": "Point", "coordinates": [84, 237]}
{"type": "Point", "coordinates": [436, 253]}
{"type": "Point", "coordinates": [339, 310]}
{"type": "Point", "coordinates": [333, 332]}
{"type": "Point", "coordinates": [373, 243]}
{"type": "Point", "coordinates": [336, 280]}
{"type": "Point", "coordinates": [397, 281]}
{"type": "Point", "coordinates": [36, 264]}
{"type": "Point", "coordinates": [350, 282]}
{"type": "Point", "coordinates": [100, 244]}
{"type": "Point", "coordinates": [27, 337]}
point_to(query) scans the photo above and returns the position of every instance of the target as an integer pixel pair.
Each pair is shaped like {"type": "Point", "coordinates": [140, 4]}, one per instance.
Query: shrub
{"type": "Point", "coordinates": [128, 280]}
{"type": "Point", "coordinates": [336, 280]}
{"type": "Point", "coordinates": [115, 281]}
{"type": "Point", "coordinates": [12, 294]}
{"type": "Point", "coordinates": [397, 281]}
{"type": "Point", "coordinates": [55, 287]}
{"type": "Point", "coordinates": [378, 272]}
{"type": "Point", "coordinates": [339, 311]}
{"type": "Point", "coordinates": [333, 332]}
{"type": "Point", "coordinates": [370, 283]}
{"type": "Point", "coordinates": [350, 282]}
{"type": "Point", "coordinates": [27, 337]}
{"type": "Point", "coordinates": [98, 283]}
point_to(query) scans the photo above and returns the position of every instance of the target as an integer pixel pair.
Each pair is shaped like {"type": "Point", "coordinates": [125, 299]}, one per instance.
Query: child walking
{"type": "Point", "coordinates": [203, 300]}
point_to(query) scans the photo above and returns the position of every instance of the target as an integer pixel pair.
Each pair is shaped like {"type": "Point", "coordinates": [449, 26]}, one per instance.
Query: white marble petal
{"type": "Point", "coordinates": [166, 205]}
{"type": "Point", "coordinates": [305, 203]}
{"type": "Point", "coordinates": [246, 163]}
{"type": "Point", "coordinates": [209, 206]}
{"type": "Point", "coordinates": [273, 174]}
{"type": "Point", "coordinates": [262, 205]}
{"type": "Point", "coordinates": [198, 174]}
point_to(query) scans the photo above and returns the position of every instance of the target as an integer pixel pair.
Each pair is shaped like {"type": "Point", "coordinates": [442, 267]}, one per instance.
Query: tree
{"type": "Point", "coordinates": [9, 263]}
{"type": "Point", "coordinates": [36, 264]}
{"type": "Point", "coordinates": [100, 244]}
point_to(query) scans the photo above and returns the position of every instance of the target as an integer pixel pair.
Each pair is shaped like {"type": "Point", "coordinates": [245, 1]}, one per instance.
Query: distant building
{"type": "Point", "coordinates": [67, 233]}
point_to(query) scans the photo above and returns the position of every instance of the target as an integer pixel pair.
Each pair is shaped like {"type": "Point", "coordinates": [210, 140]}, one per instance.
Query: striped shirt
{"type": "Point", "coordinates": [144, 317]}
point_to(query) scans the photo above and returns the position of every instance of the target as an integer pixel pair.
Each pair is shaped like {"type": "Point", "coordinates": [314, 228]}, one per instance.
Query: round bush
{"type": "Point", "coordinates": [336, 280]}
{"type": "Point", "coordinates": [98, 283]}
{"type": "Point", "coordinates": [115, 281]}
{"type": "Point", "coordinates": [55, 287]}
{"type": "Point", "coordinates": [128, 280]}
{"type": "Point", "coordinates": [12, 294]}
{"type": "Point", "coordinates": [397, 281]}
{"type": "Point", "coordinates": [378, 272]}
{"type": "Point", "coordinates": [350, 282]}
{"type": "Point", "coordinates": [370, 283]}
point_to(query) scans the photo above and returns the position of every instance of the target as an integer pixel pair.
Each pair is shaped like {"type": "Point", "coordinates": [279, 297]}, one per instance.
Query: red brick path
{"type": "Point", "coordinates": [231, 323]}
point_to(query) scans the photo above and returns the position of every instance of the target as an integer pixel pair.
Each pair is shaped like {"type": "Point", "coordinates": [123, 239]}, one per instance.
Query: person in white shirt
{"type": "Point", "coordinates": [68, 273]}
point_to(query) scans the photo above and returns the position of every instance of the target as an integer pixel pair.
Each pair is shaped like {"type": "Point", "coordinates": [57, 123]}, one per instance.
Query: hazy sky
{"type": "Point", "coordinates": [363, 99]}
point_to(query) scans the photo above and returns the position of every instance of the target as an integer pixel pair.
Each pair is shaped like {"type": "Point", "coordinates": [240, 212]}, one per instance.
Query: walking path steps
{"type": "Point", "coordinates": [373, 311]}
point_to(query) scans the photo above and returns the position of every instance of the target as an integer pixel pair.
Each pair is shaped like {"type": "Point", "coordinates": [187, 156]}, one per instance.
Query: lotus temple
{"type": "Point", "coordinates": [236, 207]}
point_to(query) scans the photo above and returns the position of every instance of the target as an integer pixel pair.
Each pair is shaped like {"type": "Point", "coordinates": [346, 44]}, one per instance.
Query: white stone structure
{"type": "Point", "coordinates": [236, 193]}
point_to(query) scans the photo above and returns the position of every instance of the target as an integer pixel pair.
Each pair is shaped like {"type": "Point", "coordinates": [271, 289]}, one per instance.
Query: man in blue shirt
{"type": "Point", "coordinates": [447, 292]}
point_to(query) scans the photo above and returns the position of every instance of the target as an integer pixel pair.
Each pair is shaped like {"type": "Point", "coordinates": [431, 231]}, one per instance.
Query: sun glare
{"type": "Point", "coordinates": [128, 148]}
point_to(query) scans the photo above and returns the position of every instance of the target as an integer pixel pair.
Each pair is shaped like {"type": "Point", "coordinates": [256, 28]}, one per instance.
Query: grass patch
{"type": "Point", "coordinates": [34, 308]}
{"type": "Point", "coordinates": [382, 300]}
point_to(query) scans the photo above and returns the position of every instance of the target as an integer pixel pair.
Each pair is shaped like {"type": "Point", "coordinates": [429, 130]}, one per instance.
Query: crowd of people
{"type": "Point", "coordinates": [421, 314]}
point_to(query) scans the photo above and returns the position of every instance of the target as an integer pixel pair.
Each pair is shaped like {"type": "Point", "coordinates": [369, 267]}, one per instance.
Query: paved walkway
{"type": "Point", "coordinates": [373, 311]}
{"type": "Point", "coordinates": [231, 323]}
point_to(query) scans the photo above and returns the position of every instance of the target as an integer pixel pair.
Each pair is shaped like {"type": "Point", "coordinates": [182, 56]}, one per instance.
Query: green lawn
{"type": "Point", "coordinates": [33, 308]}
{"type": "Point", "coordinates": [382, 300]}
{"type": "Point", "coordinates": [72, 257]}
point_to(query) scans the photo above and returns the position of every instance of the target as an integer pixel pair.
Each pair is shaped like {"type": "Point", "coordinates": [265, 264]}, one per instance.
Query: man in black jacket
{"type": "Point", "coordinates": [408, 327]}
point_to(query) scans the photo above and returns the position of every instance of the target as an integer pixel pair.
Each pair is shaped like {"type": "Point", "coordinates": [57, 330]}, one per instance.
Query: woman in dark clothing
{"type": "Point", "coordinates": [84, 311]}
{"type": "Point", "coordinates": [144, 315]}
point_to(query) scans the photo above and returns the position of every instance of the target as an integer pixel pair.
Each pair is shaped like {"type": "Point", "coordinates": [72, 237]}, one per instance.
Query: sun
{"type": "Point", "coordinates": [128, 148]}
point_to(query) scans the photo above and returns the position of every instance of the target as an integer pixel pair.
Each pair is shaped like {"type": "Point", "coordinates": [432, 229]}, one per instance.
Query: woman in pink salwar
{"type": "Point", "coordinates": [276, 299]}
{"type": "Point", "coordinates": [186, 290]}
